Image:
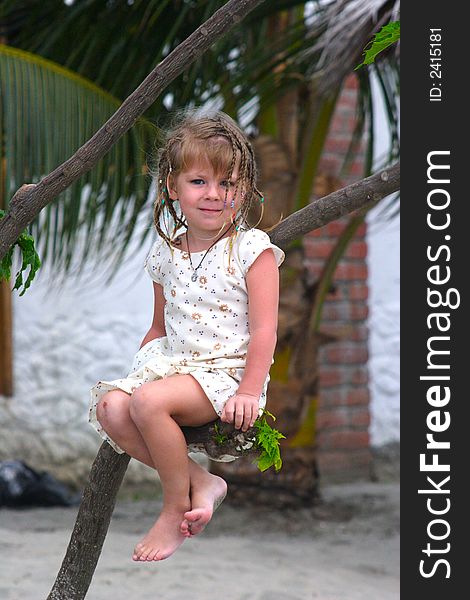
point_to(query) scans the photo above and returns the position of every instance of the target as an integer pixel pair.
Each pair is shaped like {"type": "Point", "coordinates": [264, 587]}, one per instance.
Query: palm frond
{"type": "Point", "coordinates": [46, 114]}
{"type": "Point", "coordinates": [347, 26]}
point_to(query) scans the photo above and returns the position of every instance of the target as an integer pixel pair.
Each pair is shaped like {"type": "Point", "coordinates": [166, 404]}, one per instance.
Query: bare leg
{"type": "Point", "coordinates": [160, 405]}
{"type": "Point", "coordinates": [207, 493]}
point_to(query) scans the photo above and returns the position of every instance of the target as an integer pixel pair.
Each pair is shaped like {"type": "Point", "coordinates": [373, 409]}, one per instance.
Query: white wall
{"type": "Point", "coordinates": [66, 337]}
{"type": "Point", "coordinates": [384, 304]}
{"type": "Point", "coordinates": [384, 330]}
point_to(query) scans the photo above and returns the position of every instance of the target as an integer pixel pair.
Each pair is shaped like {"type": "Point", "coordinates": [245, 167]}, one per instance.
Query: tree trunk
{"type": "Point", "coordinates": [91, 526]}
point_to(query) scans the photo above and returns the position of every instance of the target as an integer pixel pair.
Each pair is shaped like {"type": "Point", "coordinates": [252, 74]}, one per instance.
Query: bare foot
{"type": "Point", "coordinates": [205, 499]}
{"type": "Point", "coordinates": [163, 538]}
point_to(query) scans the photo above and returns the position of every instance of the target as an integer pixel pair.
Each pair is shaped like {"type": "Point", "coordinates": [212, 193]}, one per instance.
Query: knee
{"type": "Point", "coordinates": [111, 410]}
{"type": "Point", "coordinates": [143, 405]}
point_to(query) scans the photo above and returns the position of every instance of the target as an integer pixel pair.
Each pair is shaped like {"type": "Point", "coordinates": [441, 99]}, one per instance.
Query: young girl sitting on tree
{"type": "Point", "coordinates": [208, 351]}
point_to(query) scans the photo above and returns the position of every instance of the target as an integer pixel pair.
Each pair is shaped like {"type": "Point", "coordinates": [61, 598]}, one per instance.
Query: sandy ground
{"type": "Point", "coordinates": [345, 548]}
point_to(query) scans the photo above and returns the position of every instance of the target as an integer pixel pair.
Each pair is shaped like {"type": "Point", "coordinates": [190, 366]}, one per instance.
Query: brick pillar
{"type": "Point", "coordinates": [343, 417]}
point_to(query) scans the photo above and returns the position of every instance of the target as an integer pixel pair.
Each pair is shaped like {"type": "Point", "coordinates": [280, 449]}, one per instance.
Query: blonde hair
{"type": "Point", "coordinates": [205, 138]}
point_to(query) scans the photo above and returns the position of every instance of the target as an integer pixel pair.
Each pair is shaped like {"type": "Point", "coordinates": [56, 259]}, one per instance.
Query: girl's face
{"type": "Point", "coordinates": [201, 194]}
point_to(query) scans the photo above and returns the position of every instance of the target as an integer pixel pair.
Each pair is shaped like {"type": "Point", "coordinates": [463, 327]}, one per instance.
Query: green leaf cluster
{"type": "Point", "coordinates": [219, 437]}
{"type": "Point", "coordinates": [30, 258]}
{"type": "Point", "coordinates": [267, 440]}
{"type": "Point", "coordinates": [384, 38]}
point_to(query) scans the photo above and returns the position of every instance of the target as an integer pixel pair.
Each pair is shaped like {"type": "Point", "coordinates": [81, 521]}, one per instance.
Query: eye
{"type": "Point", "coordinates": [197, 181]}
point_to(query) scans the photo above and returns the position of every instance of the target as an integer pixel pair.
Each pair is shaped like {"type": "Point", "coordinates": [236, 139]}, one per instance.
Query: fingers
{"type": "Point", "coordinates": [241, 410]}
{"type": "Point", "coordinates": [239, 417]}
{"type": "Point", "coordinates": [227, 415]}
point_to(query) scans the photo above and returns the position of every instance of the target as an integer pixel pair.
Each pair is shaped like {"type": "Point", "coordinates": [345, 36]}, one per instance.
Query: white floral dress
{"type": "Point", "coordinates": [206, 321]}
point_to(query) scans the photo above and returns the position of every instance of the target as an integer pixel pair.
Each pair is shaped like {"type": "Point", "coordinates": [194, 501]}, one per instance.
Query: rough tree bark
{"type": "Point", "coordinates": [109, 467]}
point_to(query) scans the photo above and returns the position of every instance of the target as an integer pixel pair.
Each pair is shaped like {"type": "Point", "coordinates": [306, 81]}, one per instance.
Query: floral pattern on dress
{"type": "Point", "coordinates": [207, 327]}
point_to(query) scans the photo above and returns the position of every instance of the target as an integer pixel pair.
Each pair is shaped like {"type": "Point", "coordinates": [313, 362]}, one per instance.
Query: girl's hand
{"type": "Point", "coordinates": [241, 410]}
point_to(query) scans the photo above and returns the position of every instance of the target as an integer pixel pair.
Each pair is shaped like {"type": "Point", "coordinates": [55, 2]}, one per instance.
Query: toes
{"type": "Point", "coordinates": [184, 528]}
{"type": "Point", "coordinates": [153, 555]}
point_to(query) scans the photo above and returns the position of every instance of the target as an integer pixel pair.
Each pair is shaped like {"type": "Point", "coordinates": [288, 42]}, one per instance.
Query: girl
{"type": "Point", "coordinates": [208, 351]}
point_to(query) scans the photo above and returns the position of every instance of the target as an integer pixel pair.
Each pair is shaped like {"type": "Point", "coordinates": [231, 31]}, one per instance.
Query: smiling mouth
{"type": "Point", "coordinates": [210, 209]}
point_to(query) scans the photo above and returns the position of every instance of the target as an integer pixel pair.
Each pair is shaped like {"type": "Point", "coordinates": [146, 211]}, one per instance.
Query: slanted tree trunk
{"type": "Point", "coordinates": [91, 525]}
{"type": "Point", "coordinates": [108, 469]}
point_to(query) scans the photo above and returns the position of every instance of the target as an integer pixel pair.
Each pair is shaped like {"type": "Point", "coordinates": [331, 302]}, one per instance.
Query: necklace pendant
{"type": "Point", "coordinates": [194, 276]}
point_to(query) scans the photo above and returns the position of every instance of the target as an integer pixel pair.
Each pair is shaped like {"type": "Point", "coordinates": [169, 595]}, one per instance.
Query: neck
{"type": "Point", "coordinates": [205, 239]}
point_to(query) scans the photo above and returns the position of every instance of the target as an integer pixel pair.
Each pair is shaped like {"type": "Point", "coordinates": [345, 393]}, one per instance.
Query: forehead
{"type": "Point", "coordinates": [213, 155]}
{"type": "Point", "coordinates": [204, 168]}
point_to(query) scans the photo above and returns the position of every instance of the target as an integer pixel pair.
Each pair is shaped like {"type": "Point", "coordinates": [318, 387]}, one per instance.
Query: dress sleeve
{"type": "Point", "coordinates": [252, 244]}
{"type": "Point", "coordinates": [152, 263]}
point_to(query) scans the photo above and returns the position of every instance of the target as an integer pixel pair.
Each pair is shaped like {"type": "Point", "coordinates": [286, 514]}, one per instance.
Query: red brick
{"type": "Point", "coordinates": [347, 100]}
{"type": "Point", "coordinates": [336, 311]}
{"type": "Point", "coordinates": [344, 311]}
{"type": "Point", "coordinates": [335, 228]}
{"type": "Point", "coordinates": [360, 376]}
{"type": "Point", "coordinates": [342, 128]}
{"type": "Point", "coordinates": [336, 144]}
{"type": "Point", "coordinates": [357, 249]}
{"type": "Point", "coordinates": [332, 462]}
{"type": "Point", "coordinates": [361, 230]}
{"type": "Point", "coordinates": [351, 271]}
{"type": "Point", "coordinates": [319, 249]}
{"type": "Point", "coordinates": [342, 396]}
{"type": "Point", "coordinates": [330, 376]}
{"type": "Point", "coordinates": [339, 122]}
{"type": "Point", "coordinates": [359, 291]}
{"type": "Point", "coordinates": [357, 168]}
{"type": "Point", "coordinates": [340, 331]}
{"type": "Point", "coordinates": [360, 417]}
{"type": "Point", "coordinates": [359, 333]}
{"type": "Point", "coordinates": [355, 397]}
{"type": "Point", "coordinates": [351, 82]}
{"type": "Point", "coordinates": [333, 397]}
{"type": "Point", "coordinates": [316, 233]}
{"type": "Point", "coordinates": [330, 163]}
{"type": "Point", "coordinates": [343, 439]}
{"type": "Point", "coordinates": [349, 122]}
{"type": "Point", "coordinates": [329, 419]}
{"type": "Point", "coordinates": [351, 332]}
{"type": "Point", "coordinates": [359, 312]}
{"type": "Point", "coordinates": [348, 354]}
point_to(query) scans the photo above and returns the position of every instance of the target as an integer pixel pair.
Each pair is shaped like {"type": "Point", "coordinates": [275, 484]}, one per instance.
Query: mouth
{"type": "Point", "coordinates": [211, 210]}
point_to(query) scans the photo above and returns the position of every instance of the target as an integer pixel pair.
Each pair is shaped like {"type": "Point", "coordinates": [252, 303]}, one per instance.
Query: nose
{"type": "Point", "coordinates": [213, 191]}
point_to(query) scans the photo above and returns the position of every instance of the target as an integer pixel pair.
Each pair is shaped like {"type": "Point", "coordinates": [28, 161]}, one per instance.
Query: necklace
{"type": "Point", "coordinates": [194, 275]}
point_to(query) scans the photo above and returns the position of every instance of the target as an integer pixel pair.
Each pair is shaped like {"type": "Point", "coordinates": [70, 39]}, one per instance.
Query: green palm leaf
{"type": "Point", "coordinates": [46, 113]}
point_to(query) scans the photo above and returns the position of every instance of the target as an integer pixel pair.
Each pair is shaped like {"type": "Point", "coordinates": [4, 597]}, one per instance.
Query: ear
{"type": "Point", "coordinates": [170, 186]}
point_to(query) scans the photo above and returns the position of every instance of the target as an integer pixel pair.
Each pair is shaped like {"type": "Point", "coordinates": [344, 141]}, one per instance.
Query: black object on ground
{"type": "Point", "coordinates": [22, 486]}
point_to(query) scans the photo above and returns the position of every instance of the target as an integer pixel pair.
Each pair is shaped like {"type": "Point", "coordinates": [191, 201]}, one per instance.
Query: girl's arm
{"type": "Point", "coordinates": [157, 329]}
{"type": "Point", "coordinates": [262, 282]}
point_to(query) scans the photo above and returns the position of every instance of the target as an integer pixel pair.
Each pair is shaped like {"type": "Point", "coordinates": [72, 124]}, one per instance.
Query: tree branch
{"type": "Point", "coordinates": [359, 195]}
{"type": "Point", "coordinates": [27, 204]}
